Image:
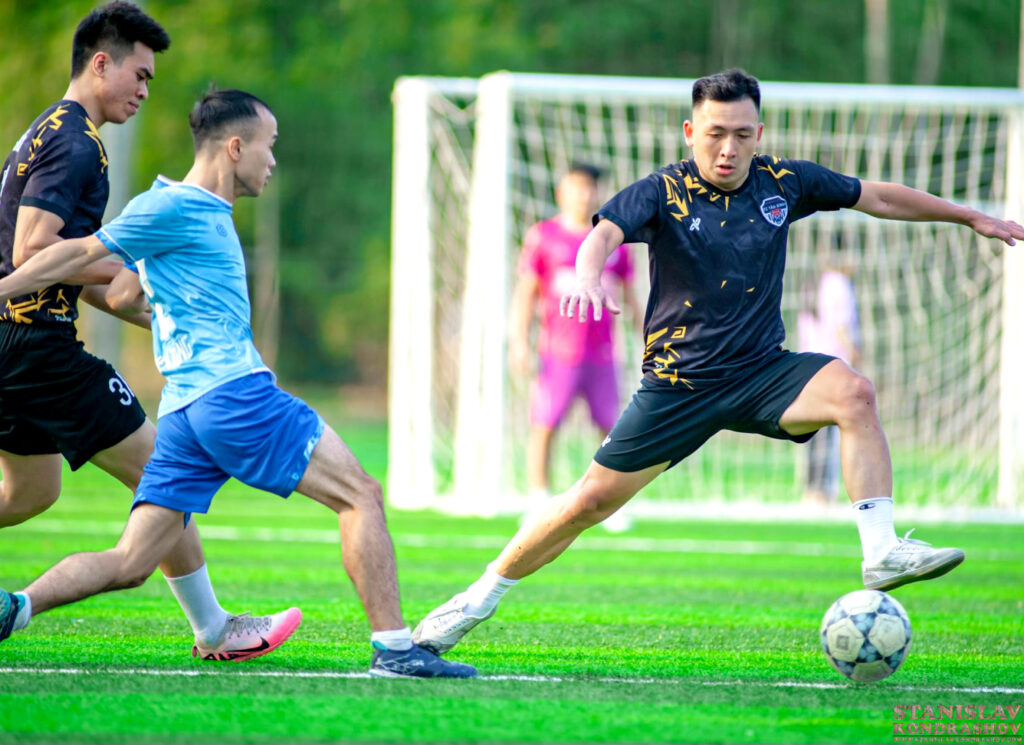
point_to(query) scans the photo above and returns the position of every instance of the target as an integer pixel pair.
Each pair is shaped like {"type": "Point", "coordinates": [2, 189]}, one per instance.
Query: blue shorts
{"type": "Point", "coordinates": [247, 428]}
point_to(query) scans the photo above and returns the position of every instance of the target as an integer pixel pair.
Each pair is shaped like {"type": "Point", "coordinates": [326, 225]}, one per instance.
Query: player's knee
{"type": "Point", "coordinates": [17, 506]}
{"type": "Point", "coordinates": [134, 576]}
{"type": "Point", "coordinates": [372, 494]}
{"type": "Point", "coordinates": [133, 571]}
{"type": "Point", "coordinates": [588, 507]}
{"type": "Point", "coordinates": [857, 399]}
{"type": "Point", "coordinates": [363, 492]}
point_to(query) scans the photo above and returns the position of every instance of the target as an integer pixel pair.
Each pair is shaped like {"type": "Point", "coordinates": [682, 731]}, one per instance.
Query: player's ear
{"type": "Point", "coordinates": [235, 148]}
{"type": "Point", "coordinates": [688, 132]}
{"type": "Point", "coordinates": [99, 63]}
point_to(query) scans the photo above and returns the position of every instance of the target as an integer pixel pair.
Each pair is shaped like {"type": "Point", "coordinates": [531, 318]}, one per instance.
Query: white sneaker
{"type": "Point", "coordinates": [248, 636]}
{"type": "Point", "coordinates": [445, 626]}
{"type": "Point", "coordinates": [910, 560]}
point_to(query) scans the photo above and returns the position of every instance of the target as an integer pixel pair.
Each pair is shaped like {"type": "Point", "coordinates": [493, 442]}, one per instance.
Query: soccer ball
{"type": "Point", "coordinates": [866, 635]}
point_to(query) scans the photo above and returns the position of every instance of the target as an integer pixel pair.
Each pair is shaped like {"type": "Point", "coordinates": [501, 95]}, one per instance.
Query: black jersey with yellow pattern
{"type": "Point", "coordinates": [717, 259]}
{"type": "Point", "coordinates": [59, 165]}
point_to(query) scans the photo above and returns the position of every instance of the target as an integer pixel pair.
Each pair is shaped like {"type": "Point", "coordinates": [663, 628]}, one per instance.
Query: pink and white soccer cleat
{"type": "Point", "coordinates": [248, 636]}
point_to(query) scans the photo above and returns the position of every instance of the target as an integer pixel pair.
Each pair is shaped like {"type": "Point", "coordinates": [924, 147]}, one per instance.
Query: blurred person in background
{"type": "Point", "coordinates": [832, 328]}
{"type": "Point", "coordinates": [573, 360]}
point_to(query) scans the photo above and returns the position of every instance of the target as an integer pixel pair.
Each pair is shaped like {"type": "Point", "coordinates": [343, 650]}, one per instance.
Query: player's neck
{"type": "Point", "coordinates": [207, 175]}
{"type": "Point", "coordinates": [574, 223]}
{"type": "Point", "coordinates": [78, 91]}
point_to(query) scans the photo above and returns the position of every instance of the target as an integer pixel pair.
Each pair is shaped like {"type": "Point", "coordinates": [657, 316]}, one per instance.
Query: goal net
{"type": "Point", "coordinates": [476, 164]}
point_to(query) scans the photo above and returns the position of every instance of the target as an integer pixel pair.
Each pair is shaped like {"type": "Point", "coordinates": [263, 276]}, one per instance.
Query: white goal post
{"type": "Point", "coordinates": [942, 311]}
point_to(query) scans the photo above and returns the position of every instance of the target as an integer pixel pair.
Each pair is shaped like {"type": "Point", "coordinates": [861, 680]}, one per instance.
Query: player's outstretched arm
{"type": "Point", "coordinates": [898, 202]}
{"type": "Point", "coordinates": [590, 261]}
{"type": "Point", "coordinates": [55, 264]}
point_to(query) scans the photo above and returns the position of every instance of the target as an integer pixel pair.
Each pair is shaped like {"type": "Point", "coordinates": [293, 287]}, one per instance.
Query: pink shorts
{"type": "Point", "coordinates": [559, 383]}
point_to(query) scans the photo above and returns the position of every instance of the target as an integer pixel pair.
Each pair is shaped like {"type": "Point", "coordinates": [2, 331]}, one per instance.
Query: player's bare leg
{"type": "Point", "coordinates": [538, 458]}
{"type": "Point", "coordinates": [838, 395]}
{"type": "Point", "coordinates": [336, 479]}
{"type": "Point", "coordinates": [150, 533]}
{"type": "Point", "coordinates": [594, 497]}
{"type": "Point", "coordinates": [30, 486]}
{"type": "Point", "coordinates": [125, 461]}
{"type": "Point", "coordinates": [590, 500]}
{"type": "Point", "coordinates": [619, 521]}
{"type": "Point", "coordinates": [218, 634]}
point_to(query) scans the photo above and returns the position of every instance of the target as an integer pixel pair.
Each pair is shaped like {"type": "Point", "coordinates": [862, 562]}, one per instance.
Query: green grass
{"type": "Point", "coordinates": [632, 639]}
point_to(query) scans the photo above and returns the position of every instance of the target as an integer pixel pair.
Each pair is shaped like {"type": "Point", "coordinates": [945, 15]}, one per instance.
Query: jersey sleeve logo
{"type": "Point", "coordinates": [774, 210]}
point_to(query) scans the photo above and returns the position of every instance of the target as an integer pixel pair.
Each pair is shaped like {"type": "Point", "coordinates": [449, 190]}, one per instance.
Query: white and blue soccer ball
{"type": "Point", "coordinates": [866, 635]}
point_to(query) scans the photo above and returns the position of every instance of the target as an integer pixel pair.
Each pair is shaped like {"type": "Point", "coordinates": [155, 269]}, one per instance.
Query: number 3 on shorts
{"type": "Point", "coordinates": [119, 387]}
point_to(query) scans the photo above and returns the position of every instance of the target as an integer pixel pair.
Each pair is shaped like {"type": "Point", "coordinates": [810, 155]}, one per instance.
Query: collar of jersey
{"type": "Point", "coordinates": [717, 189]}
{"type": "Point", "coordinates": [171, 182]}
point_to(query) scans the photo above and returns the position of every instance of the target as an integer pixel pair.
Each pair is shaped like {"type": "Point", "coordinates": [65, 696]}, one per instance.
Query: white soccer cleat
{"type": "Point", "coordinates": [445, 626]}
{"type": "Point", "coordinates": [910, 560]}
{"type": "Point", "coordinates": [248, 636]}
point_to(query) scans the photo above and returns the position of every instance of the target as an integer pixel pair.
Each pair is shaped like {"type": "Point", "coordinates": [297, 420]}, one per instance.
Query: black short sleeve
{"type": "Point", "coordinates": [635, 210]}
{"type": "Point", "coordinates": [822, 189]}
{"type": "Point", "coordinates": [64, 168]}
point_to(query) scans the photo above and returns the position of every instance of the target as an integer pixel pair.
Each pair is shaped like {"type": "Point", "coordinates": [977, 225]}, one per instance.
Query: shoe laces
{"type": "Point", "coordinates": [906, 539]}
{"type": "Point", "coordinates": [244, 623]}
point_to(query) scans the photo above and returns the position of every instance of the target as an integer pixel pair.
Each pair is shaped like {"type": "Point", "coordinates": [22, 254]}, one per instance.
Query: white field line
{"type": "Point", "coordinates": [412, 540]}
{"type": "Point", "coordinates": [332, 675]}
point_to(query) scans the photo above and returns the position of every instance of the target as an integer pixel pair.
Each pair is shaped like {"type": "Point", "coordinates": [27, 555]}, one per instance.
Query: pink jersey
{"type": "Point", "coordinates": [836, 310]}
{"type": "Point", "coordinates": [549, 253]}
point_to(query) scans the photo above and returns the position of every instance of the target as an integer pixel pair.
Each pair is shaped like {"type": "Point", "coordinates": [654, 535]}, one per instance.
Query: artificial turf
{"type": "Point", "coordinates": [694, 631]}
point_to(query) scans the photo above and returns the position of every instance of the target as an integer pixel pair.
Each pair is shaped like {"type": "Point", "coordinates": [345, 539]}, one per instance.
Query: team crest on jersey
{"type": "Point", "coordinates": [774, 210]}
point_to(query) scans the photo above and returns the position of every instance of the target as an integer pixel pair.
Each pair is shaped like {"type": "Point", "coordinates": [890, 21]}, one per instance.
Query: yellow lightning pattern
{"type": "Point", "coordinates": [666, 355]}
{"type": "Point", "coordinates": [94, 134]}
{"type": "Point", "coordinates": [673, 197]}
{"type": "Point", "coordinates": [777, 175]}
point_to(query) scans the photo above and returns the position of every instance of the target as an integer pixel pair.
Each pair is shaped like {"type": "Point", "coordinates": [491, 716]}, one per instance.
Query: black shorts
{"type": "Point", "coordinates": [665, 423]}
{"type": "Point", "coordinates": [57, 398]}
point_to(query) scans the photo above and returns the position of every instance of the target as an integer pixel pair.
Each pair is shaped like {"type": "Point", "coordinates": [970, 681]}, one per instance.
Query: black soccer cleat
{"type": "Point", "coordinates": [416, 662]}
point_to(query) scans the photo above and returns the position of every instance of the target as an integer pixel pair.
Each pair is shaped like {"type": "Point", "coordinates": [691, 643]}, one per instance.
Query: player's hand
{"type": "Point", "coordinates": [1004, 230]}
{"type": "Point", "coordinates": [585, 296]}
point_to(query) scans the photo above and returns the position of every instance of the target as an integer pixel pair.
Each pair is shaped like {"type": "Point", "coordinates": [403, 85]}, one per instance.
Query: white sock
{"type": "Point", "coordinates": [483, 595]}
{"type": "Point", "coordinates": [874, 521]}
{"type": "Point", "coordinates": [195, 596]}
{"type": "Point", "coordinates": [397, 640]}
{"type": "Point", "coordinates": [24, 612]}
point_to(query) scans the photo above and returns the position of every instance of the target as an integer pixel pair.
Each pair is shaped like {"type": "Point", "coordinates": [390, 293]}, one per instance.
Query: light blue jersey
{"type": "Point", "coordinates": [182, 240]}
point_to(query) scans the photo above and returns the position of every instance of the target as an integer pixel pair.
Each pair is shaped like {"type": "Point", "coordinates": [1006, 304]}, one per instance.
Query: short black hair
{"type": "Point", "coordinates": [114, 28]}
{"type": "Point", "coordinates": [219, 110]}
{"type": "Point", "coordinates": [730, 85]}
{"type": "Point", "coordinates": [586, 169]}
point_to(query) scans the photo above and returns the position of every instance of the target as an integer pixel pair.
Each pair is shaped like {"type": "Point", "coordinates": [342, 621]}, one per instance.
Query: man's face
{"type": "Point", "coordinates": [256, 159]}
{"type": "Point", "coordinates": [577, 196]}
{"type": "Point", "coordinates": [724, 137]}
{"type": "Point", "coordinates": [125, 84]}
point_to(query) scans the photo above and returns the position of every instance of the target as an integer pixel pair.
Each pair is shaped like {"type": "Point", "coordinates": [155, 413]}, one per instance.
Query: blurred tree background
{"type": "Point", "coordinates": [327, 68]}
